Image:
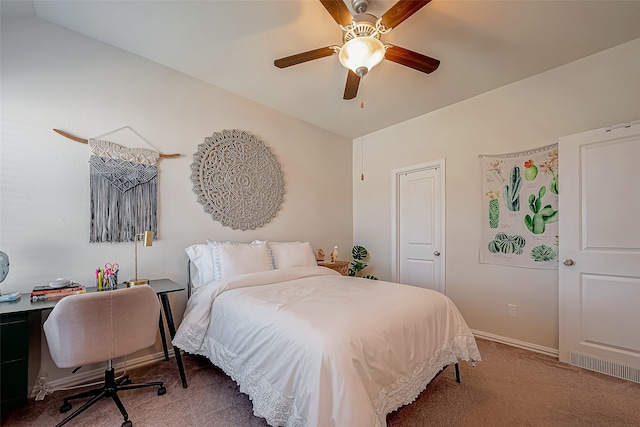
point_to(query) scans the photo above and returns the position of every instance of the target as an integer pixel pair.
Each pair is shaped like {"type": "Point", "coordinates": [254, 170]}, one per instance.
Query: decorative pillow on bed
{"type": "Point", "coordinates": [201, 268]}
{"type": "Point", "coordinates": [292, 254]}
{"type": "Point", "coordinates": [232, 259]}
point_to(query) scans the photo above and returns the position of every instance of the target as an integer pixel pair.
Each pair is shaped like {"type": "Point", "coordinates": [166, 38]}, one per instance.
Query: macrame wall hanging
{"type": "Point", "coordinates": [124, 189]}
{"type": "Point", "coordinates": [237, 179]}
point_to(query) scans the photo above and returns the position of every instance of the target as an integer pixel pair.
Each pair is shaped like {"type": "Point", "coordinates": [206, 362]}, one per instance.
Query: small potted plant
{"type": "Point", "coordinates": [359, 254]}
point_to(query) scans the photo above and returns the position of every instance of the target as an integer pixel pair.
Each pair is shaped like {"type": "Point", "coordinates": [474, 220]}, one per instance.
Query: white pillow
{"type": "Point", "coordinates": [232, 259]}
{"type": "Point", "coordinates": [292, 254]}
{"type": "Point", "coordinates": [201, 265]}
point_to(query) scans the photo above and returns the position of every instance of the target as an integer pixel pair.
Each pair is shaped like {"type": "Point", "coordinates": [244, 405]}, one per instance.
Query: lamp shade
{"type": "Point", "coordinates": [361, 54]}
{"type": "Point", "coordinates": [148, 238]}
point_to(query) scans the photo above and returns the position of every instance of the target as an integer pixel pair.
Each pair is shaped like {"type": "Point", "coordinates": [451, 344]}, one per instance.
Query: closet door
{"type": "Point", "coordinates": [599, 227]}
{"type": "Point", "coordinates": [419, 226]}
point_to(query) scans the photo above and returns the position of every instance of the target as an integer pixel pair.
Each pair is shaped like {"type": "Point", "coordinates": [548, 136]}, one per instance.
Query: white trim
{"type": "Point", "coordinates": [395, 183]}
{"type": "Point", "coordinates": [515, 343]}
{"type": "Point", "coordinates": [76, 380]}
{"type": "Point", "coordinates": [98, 374]}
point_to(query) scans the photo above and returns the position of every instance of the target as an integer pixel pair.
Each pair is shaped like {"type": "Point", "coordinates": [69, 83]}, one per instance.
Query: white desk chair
{"type": "Point", "coordinates": [101, 326]}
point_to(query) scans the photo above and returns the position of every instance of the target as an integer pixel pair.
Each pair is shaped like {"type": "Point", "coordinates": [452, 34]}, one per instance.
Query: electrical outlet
{"type": "Point", "coordinates": [512, 310]}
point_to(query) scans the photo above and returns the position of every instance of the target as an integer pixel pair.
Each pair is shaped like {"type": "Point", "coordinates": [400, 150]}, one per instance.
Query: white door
{"type": "Point", "coordinates": [419, 227]}
{"type": "Point", "coordinates": [599, 227]}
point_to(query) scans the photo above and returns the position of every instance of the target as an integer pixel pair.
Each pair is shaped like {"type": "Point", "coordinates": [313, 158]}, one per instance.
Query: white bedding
{"type": "Point", "coordinates": [313, 348]}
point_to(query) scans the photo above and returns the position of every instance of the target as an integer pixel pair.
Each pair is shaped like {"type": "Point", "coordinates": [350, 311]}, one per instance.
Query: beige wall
{"type": "Point", "coordinates": [54, 78]}
{"type": "Point", "coordinates": [594, 92]}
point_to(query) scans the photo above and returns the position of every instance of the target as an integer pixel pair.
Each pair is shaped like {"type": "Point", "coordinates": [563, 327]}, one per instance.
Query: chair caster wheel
{"type": "Point", "coordinates": [66, 407]}
{"type": "Point", "coordinates": [127, 423]}
{"type": "Point", "coordinates": [161, 391]}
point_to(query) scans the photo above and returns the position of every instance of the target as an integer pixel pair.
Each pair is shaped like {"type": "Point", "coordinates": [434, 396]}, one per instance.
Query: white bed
{"type": "Point", "coordinates": [313, 348]}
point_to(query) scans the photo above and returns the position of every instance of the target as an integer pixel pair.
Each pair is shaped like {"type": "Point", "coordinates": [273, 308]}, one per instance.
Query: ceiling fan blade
{"type": "Point", "coordinates": [411, 59]}
{"type": "Point", "coordinates": [351, 88]}
{"type": "Point", "coordinates": [304, 57]}
{"type": "Point", "coordinates": [339, 11]}
{"type": "Point", "coordinates": [401, 11]}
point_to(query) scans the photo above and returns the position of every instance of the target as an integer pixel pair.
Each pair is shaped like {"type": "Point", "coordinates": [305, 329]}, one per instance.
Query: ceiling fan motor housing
{"type": "Point", "coordinates": [364, 25]}
{"type": "Point", "coordinates": [360, 6]}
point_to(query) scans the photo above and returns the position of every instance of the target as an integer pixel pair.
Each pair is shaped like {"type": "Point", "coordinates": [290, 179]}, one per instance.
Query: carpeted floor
{"type": "Point", "coordinates": [510, 387]}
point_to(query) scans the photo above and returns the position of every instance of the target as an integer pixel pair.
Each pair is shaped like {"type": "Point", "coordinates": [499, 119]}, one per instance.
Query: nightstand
{"type": "Point", "coordinates": [341, 267]}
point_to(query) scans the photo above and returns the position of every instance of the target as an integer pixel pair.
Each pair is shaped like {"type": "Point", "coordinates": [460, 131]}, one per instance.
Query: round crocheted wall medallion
{"type": "Point", "coordinates": [237, 179]}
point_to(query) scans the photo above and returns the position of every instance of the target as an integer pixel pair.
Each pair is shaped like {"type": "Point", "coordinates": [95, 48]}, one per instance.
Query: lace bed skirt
{"type": "Point", "coordinates": [280, 410]}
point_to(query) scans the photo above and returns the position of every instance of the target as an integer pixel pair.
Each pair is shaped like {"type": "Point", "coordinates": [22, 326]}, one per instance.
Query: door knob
{"type": "Point", "coordinates": [567, 261]}
{"type": "Point", "coordinates": [437, 253]}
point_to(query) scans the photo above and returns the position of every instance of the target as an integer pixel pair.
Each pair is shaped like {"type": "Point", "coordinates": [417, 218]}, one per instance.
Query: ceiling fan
{"type": "Point", "coordinates": [362, 49]}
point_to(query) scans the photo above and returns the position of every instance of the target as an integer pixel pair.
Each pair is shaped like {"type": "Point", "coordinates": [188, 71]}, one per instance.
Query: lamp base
{"type": "Point", "coordinates": [134, 282]}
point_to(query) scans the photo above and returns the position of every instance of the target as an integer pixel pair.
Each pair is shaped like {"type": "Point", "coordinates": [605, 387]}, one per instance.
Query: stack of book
{"type": "Point", "coordinates": [46, 292]}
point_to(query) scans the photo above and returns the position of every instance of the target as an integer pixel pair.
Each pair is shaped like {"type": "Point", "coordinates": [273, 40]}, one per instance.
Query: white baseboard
{"type": "Point", "coordinates": [98, 374]}
{"type": "Point", "coordinates": [78, 379]}
{"type": "Point", "coordinates": [515, 343]}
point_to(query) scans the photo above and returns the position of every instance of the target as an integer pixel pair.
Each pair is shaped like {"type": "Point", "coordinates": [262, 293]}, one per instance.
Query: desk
{"type": "Point", "coordinates": [14, 339]}
{"type": "Point", "coordinates": [163, 288]}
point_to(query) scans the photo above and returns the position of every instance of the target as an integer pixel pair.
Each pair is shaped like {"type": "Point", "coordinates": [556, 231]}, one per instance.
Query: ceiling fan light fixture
{"type": "Point", "coordinates": [361, 54]}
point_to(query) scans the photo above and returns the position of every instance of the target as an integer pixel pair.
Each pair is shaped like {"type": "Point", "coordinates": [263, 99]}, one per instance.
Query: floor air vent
{"type": "Point", "coordinates": [605, 367]}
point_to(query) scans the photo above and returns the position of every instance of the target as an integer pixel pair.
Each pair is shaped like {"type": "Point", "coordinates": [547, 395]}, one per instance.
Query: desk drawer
{"type": "Point", "coordinates": [14, 359]}
{"type": "Point", "coordinates": [13, 387]}
{"type": "Point", "coordinates": [14, 341]}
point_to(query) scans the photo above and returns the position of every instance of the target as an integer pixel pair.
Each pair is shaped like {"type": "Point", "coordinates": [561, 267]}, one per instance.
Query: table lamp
{"type": "Point", "coordinates": [147, 241]}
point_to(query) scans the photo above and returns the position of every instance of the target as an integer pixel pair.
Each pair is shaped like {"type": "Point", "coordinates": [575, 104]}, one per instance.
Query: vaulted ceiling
{"type": "Point", "coordinates": [482, 45]}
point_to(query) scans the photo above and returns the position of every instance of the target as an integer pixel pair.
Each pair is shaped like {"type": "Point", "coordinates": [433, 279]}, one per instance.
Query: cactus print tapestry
{"type": "Point", "coordinates": [520, 208]}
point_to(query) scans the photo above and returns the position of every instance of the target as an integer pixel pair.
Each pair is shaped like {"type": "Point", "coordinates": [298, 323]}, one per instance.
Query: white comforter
{"type": "Point", "coordinates": [313, 348]}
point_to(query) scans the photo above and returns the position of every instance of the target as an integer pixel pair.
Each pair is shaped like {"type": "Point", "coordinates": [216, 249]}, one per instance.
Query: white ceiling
{"type": "Point", "coordinates": [482, 45]}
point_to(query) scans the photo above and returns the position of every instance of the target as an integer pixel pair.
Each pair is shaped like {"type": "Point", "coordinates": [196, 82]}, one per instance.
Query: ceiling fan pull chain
{"type": "Point", "coordinates": [362, 142]}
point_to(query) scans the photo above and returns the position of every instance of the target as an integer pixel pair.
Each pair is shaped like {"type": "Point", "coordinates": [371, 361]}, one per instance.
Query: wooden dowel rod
{"type": "Point", "coordinates": [75, 138]}
{"type": "Point", "coordinates": [86, 141]}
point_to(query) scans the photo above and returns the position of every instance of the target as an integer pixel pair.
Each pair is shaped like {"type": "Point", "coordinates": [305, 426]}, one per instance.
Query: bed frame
{"type": "Point", "coordinates": [189, 283]}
